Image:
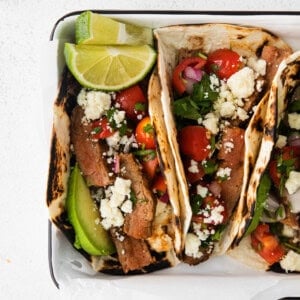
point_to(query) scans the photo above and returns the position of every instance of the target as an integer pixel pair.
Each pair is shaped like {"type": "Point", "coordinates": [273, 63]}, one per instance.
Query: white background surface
{"type": "Point", "coordinates": [25, 27]}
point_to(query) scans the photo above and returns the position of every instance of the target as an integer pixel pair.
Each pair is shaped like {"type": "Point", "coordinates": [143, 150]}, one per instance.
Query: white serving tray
{"type": "Point", "coordinates": [218, 278]}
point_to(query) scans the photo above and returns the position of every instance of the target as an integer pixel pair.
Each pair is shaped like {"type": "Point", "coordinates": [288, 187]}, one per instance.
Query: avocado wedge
{"type": "Point", "coordinates": [84, 215]}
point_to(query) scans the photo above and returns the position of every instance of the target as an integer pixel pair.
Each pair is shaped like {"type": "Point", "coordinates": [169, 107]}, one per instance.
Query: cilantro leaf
{"type": "Point", "coordinates": [186, 108]}
{"type": "Point", "coordinates": [262, 194]}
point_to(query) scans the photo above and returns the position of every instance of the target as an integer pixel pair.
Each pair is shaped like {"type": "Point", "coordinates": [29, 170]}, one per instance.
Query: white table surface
{"type": "Point", "coordinates": [25, 26]}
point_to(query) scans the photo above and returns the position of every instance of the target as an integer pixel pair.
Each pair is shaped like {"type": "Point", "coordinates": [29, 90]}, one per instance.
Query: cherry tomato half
{"type": "Point", "coordinates": [159, 185]}
{"type": "Point", "coordinates": [144, 134]}
{"type": "Point", "coordinates": [194, 142]}
{"type": "Point", "coordinates": [224, 63]}
{"type": "Point", "coordinates": [177, 80]}
{"type": "Point", "coordinates": [266, 244]}
{"type": "Point", "coordinates": [101, 129]}
{"type": "Point", "coordinates": [133, 101]}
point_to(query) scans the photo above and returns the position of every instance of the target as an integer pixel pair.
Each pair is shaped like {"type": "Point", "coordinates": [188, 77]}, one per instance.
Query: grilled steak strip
{"type": "Point", "coordinates": [273, 56]}
{"type": "Point", "coordinates": [138, 224]}
{"type": "Point", "coordinates": [133, 254]}
{"type": "Point", "coordinates": [231, 155]}
{"type": "Point", "coordinates": [88, 152]}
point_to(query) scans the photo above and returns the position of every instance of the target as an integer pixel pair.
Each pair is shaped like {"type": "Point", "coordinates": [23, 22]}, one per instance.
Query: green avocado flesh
{"type": "Point", "coordinates": [84, 215]}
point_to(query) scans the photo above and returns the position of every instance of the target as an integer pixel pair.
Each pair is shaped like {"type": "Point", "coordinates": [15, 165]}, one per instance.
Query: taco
{"type": "Point", "coordinates": [272, 230]}
{"type": "Point", "coordinates": [214, 77]}
{"type": "Point", "coordinates": [111, 188]}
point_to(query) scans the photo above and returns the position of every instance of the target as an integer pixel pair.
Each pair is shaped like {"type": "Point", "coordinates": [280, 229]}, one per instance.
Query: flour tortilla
{"type": "Point", "coordinates": [287, 76]}
{"type": "Point", "coordinates": [59, 172]}
{"type": "Point", "coordinates": [248, 42]}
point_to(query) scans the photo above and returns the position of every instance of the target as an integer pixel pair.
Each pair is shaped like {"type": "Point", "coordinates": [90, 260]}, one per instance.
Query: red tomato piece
{"type": "Point", "coordinates": [177, 80]}
{"type": "Point", "coordinates": [274, 174]}
{"type": "Point", "coordinates": [195, 173]}
{"type": "Point", "coordinates": [144, 134]}
{"type": "Point", "coordinates": [101, 129]}
{"type": "Point", "coordinates": [159, 185]}
{"type": "Point", "coordinates": [150, 167]}
{"type": "Point", "coordinates": [224, 63]}
{"type": "Point", "coordinates": [266, 244]}
{"type": "Point", "coordinates": [194, 142]}
{"type": "Point", "coordinates": [133, 102]}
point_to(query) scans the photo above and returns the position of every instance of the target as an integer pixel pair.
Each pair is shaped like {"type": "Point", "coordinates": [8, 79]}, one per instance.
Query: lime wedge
{"type": "Point", "coordinates": [109, 68]}
{"type": "Point", "coordinates": [92, 28]}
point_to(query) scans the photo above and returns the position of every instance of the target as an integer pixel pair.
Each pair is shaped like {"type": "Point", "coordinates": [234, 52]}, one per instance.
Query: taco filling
{"type": "Point", "coordinates": [217, 77]}
{"type": "Point", "coordinates": [275, 227]}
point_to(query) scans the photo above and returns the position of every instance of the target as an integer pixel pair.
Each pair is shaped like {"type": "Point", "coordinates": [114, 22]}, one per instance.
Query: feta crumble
{"type": "Point", "coordinates": [202, 191]}
{"type": "Point", "coordinates": [211, 122]}
{"type": "Point", "coordinates": [192, 244]}
{"type": "Point", "coordinates": [224, 173]}
{"type": "Point", "coordinates": [291, 262]}
{"type": "Point", "coordinates": [242, 83]}
{"type": "Point", "coordinates": [94, 103]}
{"type": "Point", "coordinates": [293, 182]}
{"type": "Point", "coordinates": [294, 120]}
{"type": "Point", "coordinates": [281, 141]}
{"type": "Point", "coordinates": [193, 168]}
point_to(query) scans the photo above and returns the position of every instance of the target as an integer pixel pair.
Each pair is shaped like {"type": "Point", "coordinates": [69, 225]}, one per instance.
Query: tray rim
{"type": "Point", "coordinates": [151, 12]}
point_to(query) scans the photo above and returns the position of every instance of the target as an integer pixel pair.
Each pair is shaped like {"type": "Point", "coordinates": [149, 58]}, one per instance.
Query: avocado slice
{"type": "Point", "coordinates": [84, 215]}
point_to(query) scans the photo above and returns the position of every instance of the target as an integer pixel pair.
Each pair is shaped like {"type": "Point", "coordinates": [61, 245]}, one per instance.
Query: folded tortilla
{"type": "Point", "coordinates": [284, 83]}
{"type": "Point", "coordinates": [164, 248]}
{"type": "Point", "coordinates": [247, 42]}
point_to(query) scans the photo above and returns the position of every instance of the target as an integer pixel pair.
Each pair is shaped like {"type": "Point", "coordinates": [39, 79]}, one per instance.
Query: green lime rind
{"type": "Point", "coordinates": [99, 67]}
{"type": "Point", "coordinates": [96, 29]}
{"type": "Point", "coordinates": [82, 27]}
{"type": "Point", "coordinates": [84, 216]}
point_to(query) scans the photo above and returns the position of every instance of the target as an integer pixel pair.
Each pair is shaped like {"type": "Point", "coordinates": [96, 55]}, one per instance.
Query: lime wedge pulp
{"type": "Point", "coordinates": [109, 68]}
{"type": "Point", "coordinates": [96, 29]}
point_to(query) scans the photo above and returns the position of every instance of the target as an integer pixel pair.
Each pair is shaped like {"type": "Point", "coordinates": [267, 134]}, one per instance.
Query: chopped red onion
{"type": "Point", "coordinates": [117, 164]}
{"type": "Point", "coordinates": [165, 198]}
{"type": "Point", "coordinates": [192, 73]}
{"type": "Point", "coordinates": [294, 139]}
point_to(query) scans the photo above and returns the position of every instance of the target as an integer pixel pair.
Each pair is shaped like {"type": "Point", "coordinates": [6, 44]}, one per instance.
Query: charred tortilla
{"type": "Point", "coordinates": [164, 239]}
{"type": "Point", "coordinates": [278, 220]}
{"type": "Point", "coordinates": [175, 44]}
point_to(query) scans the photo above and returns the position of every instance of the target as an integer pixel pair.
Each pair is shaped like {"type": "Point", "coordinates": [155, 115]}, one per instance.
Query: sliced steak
{"type": "Point", "coordinates": [133, 254]}
{"type": "Point", "coordinates": [231, 155]}
{"type": "Point", "coordinates": [138, 224]}
{"type": "Point", "coordinates": [89, 153]}
{"type": "Point", "coordinates": [273, 56]}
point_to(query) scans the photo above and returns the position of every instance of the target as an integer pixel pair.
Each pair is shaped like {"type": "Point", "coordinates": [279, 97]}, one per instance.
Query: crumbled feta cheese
{"type": "Point", "coordinates": [119, 117]}
{"type": "Point", "coordinates": [242, 83]}
{"type": "Point", "coordinates": [294, 120]}
{"type": "Point", "coordinates": [214, 82]}
{"type": "Point", "coordinates": [291, 262]}
{"type": "Point", "coordinates": [293, 182]}
{"type": "Point", "coordinates": [216, 216]}
{"type": "Point", "coordinates": [288, 231]}
{"type": "Point", "coordinates": [259, 85]}
{"type": "Point", "coordinates": [94, 103]}
{"type": "Point", "coordinates": [192, 244]}
{"type": "Point", "coordinates": [202, 234]}
{"type": "Point", "coordinates": [281, 141]}
{"type": "Point", "coordinates": [113, 141]}
{"type": "Point", "coordinates": [211, 123]}
{"type": "Point", "coordinates": [193, 168]}
{"type": "Point", "coordinates": [127, 207]}
{"type": "Point", "coordinates": [258, 65]}
{"type": "Point", "coordinates": [224, 172]}
{"type": "Point", "coordinates": [116, 201]}
{"type": "Point", "coordinates": [122, 186]}
{"type": "Point", "coordinates": [227, 109]}
{"type": "Point", "coordinates": [242, 114]}
{"type": "Point", "coordinates": [228, 146]}
{"type": "Point", "coordinates": [202, 190]}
